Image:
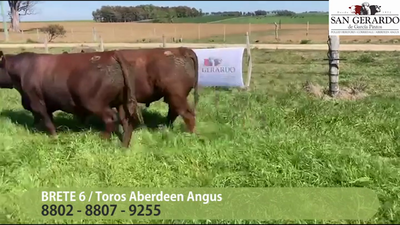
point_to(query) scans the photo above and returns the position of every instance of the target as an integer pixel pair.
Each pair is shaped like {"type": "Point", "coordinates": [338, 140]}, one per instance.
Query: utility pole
{"type": "Point", "coordinates": [4, 21]}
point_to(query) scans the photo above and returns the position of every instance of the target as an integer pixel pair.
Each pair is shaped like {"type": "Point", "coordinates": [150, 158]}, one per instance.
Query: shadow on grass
{"type": "Point", "coordinates": [65, 122]}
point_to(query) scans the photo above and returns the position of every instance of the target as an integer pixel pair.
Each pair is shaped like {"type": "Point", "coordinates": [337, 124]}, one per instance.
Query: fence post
{"type": "Point", "coordinates": [276, 31]}
{"type": "Point", "coordinates": [307, 28]}
{"type": "Point", "coordinates": [249, 29]}
{"type": "Point", "coordinates": [101, 44]}
{"type": "Point", "coordinates": [175, 36]}
{"type": "Point", "coordinates": [198, 32]}
{"type": "Point", "coordinates": [72, 33]}
{"type": "Point", "coordinates": [333, 55]}
{"type": "Point", "coordinates": [250, 64]}
{"type": "Point", "coordinates": [94, 34]}
{"type": "Point", "coordinates": [224, 33]}
{"type": "Point", "coordinates": [46, 49]}
{"type": "Point", "coordinates": [163, 41]}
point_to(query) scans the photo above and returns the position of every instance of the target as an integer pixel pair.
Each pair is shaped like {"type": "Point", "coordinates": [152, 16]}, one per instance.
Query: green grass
{"type": "Point", "coordinates": [275, 135]}
{"type": "Point", "coordinates": [241, 38]}
{"type": "Point", "coordinates": [299, 19]}
{"type": "Point", "coordinates": [203, 19]}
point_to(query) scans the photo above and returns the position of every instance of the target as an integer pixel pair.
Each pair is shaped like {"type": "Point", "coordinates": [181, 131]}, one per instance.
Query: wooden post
{"type": "Point", "coordinates": [250, 64]}
{"type": "Point", "coordinates": [249, 29]}
{"type": "Point", "coordinates": [175, 33]}
{"type": "Point", "coordinates": [307, 28]}
{"type": "Point", "coordinates": [276, 32]}
{"type": "Point", "coordinates": [94, 34]}
{"type": "Point", "coordinates": [101, 44]}
{"type": "Point", "coordinates": [198, 32]}
{"type": "Point", "coordinates": [224, 32]}
{"type": "Point", "coordinates": [163, 41]}
{"type": "Point", "coordinates": [333, 54]}
{"type": "Point", "coordinates": [46, 49]}
{"type": "Point", "coordinates": [37, 34]}
{"type": "Point", "coordinates": [72, 33]}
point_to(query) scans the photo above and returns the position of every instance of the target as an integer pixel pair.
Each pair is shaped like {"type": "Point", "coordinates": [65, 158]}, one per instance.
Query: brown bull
{"type": "Point", "coordinates": [166, 72]}
{"type": "Point", "coordinates": [81, 84]}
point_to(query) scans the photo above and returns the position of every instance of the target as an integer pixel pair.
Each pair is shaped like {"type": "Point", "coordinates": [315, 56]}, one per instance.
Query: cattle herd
{"type": "Point", "coordinates": [93, 83]}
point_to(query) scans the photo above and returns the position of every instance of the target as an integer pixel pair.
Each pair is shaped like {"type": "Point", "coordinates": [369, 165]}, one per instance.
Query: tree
{"type": "Point", "coordinates": [53, 31]}
{"type": "Point", "coordinates": [20, 8]}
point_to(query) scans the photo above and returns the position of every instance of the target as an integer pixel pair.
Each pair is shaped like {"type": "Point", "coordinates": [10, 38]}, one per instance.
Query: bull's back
{"type": "Point", "coordinates": [68, 79]}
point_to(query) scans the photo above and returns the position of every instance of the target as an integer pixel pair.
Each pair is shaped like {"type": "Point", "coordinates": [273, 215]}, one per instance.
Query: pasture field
{"type": "Point", "coordinates": [203, 19]}
{"type": "Point", "coordinates": [228, 30]}
{"type": "Point", "coordinates": [280, 133]}
{"type": "Point", "coordinates": [298, 19]}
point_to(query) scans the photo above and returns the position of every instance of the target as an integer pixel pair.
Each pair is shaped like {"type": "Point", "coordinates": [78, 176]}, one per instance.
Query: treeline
{"type": "Point", "coordinates": [157, 14]}
{"type": "Point", "coordinates": [143, 12]}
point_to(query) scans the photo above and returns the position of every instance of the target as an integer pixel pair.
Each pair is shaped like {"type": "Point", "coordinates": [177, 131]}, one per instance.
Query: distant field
{"type": "Point", "coordinates": [60, 21]}
{"type": "Point", "coordinates": [203, 19]}
{"type": "Point", "coordinates": [217, 29]}
{"type": "Point", "coordinates": [302, 19]}
{"type": "Point", "coordinates": [298, 19]}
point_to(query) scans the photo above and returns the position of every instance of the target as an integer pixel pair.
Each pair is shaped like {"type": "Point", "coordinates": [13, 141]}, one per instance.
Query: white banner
{"type": "Point", "coordinates": [220, 67]}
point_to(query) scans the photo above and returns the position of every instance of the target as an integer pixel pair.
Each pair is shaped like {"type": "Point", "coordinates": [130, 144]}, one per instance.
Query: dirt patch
{"type": "Point", "coordinates": [81, 32]}
{"type": "Point", "coordinates": [345, 93]}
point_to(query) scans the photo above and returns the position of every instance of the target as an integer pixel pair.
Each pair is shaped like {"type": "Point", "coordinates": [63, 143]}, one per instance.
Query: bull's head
{"type": "Point", "coordinates": [5, 79]}
{"type": "Point", "coordinates": [2, 60]}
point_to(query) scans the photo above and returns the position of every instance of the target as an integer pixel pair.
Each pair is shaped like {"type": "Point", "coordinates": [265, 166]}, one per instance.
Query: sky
{"type": "Point", "coordinates": [74, 10]}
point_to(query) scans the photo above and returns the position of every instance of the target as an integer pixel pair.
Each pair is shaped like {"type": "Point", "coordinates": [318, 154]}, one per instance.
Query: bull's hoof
{"type": "Point", "coordinates": [125, 145]}
{"type": "Point", "coordinates": [162, 126]}
{"type": "Point", "coordinates": [105, 136]}
{"type": "Point", "coordinates": [54, 136]}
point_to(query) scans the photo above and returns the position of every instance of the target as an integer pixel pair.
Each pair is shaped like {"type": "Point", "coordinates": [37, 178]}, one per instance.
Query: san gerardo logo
{"type": "Point", "coordinates": [364, 18]}
{"type": "Point", "coordinates": [214, 65]}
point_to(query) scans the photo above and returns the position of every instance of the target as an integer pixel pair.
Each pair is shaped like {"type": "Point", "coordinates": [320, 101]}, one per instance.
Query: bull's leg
{"type": "Point", "coordinates": [108, 118]}
{"type": "Point", "coordinates": [127, 124]}
{"type": "Point", "coordinates": [181, 107]}
{"type": "Point", "coordinates": [39, 111]}
{"type": "Point", "coordinates": [172, 115]}
{"type": "Point", "coordinates": [36, 120]}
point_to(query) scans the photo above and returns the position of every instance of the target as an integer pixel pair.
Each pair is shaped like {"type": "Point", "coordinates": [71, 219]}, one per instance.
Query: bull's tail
{"type": "Point", "coordinates": [132, 105]}
{"type": "Point", "coordinates": [193, 56]}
